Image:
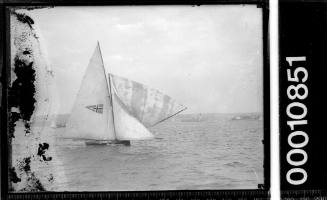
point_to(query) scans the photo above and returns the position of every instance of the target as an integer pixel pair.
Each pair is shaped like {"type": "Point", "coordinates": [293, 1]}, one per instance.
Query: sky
{"type": "Point", "coordinates": [208, 58]}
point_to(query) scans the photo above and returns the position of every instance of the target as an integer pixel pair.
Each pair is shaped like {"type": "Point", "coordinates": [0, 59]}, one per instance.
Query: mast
{"type": "Point", "coordinates": [110, 94]}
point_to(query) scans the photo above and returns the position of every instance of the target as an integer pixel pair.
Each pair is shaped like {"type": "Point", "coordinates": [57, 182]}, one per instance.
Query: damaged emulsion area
{"type": "Point", "coordinates": [21, 102]}
{"type": "Point", "coordinates": [21, 95]}
{"type": "Point", "coordinates": [24, 19]}
{"type": "Point", "coordinates": [13, 175]}
{"type": "Point", "coordinates": [24, 165]}
{"type": "Point", "coordinates": [41, 151]}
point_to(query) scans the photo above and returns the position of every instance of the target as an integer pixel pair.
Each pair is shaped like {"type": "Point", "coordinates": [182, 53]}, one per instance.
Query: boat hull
{"type": "Point", "coordinates": [108, 142]}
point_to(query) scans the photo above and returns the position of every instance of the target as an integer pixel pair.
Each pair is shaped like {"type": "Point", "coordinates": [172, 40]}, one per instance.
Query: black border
{"type": "Point", "coordinates": [261, 193]}
{"type": "Point", "coordinates": [5, 79]}
{"type": "Point", "coordinates": [303, 32]}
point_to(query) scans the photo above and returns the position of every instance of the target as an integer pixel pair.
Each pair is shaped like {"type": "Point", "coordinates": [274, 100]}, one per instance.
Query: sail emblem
{"type": "Point", "coordinates": [96, 108]}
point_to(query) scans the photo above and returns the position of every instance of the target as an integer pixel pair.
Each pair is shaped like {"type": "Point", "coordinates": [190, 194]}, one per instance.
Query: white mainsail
{"type": "Point", "coordinates": [117, 109]}
{"type": "Point", "coordinates": [91, 116]}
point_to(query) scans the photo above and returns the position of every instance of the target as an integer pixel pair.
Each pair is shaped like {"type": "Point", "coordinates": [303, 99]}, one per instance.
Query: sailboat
{"type": "Point", "coordinates": [110, 109]}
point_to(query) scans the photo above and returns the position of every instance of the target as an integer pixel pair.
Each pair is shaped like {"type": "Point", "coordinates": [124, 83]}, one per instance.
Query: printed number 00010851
{"type": "Point", "coordinates": [297, 93]}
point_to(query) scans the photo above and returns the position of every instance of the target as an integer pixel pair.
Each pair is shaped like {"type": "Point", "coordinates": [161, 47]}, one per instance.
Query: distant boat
{"type": "Point", "coordinates": [237, 118]}
{"type": "Point", "coordinates": [247, 117]}
{"type": "Point", "coordinates": [113, 110]}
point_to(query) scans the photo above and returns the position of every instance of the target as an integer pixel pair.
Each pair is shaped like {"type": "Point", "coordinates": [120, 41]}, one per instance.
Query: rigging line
{"type": "Point", "coordinates": [168, 117]}
{"type": "Point", "coordinates": [109, 89]}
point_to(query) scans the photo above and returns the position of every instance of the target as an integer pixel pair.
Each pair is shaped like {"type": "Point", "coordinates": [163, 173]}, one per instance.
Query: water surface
{"type": "Point", "coordinates": [211, 153]}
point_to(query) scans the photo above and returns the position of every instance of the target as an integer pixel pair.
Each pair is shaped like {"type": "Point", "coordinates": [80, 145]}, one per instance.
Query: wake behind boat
{"type": "Point", "coordinates": [114, 110]}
